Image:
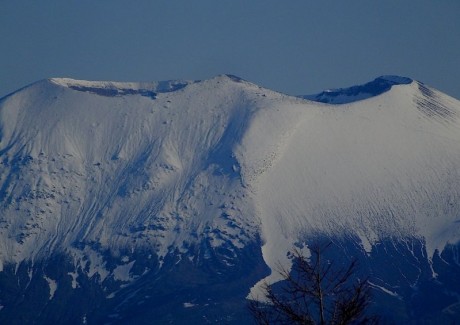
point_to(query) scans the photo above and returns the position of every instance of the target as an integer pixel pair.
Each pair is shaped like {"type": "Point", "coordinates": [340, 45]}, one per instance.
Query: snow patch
{"type": "Point", "coordinates": [121, 272]}
{"type": "Point", "coordinates": [90, 262]}
{"type": "Point", "coordinates": [52, 285]}
{"type": "Point", "coordinates": [391, 293]}
{"type": "Point", "coordinates": [74, 276]}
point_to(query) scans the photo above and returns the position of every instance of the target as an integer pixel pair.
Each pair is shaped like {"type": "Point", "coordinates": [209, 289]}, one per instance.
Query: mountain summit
{"type": "Point", "coordinates": [137, 194]}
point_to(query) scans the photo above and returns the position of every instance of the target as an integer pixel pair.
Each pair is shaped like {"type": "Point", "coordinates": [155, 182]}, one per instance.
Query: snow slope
{"type": "Point", "coordinates": [87, 166]}
{"type": "Point", "coordinates": [82, 166]}
{"type": "Point", "coordinates": [385, 167]}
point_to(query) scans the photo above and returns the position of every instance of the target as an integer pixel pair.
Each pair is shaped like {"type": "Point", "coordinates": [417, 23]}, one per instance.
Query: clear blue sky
{"type": "Point", "coordinates": [293, 46]}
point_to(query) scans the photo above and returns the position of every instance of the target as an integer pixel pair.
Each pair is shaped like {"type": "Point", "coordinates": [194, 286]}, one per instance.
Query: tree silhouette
{"type": "Point", "coordinates": [314, 292]}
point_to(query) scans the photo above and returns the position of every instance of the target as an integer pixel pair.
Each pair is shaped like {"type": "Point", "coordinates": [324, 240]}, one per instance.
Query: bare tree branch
{"type": "Point", "coordinates": [315, 292]}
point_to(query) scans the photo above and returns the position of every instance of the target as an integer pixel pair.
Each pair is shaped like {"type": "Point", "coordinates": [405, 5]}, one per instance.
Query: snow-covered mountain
{"type": "Point", "coordinates": [137, 194]}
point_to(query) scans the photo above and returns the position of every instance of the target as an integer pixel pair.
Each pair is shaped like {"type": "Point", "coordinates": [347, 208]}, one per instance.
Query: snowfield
{"type": "Point", "coordinates": [87, 166]}
{"type": "Point", "coordinates": [127, 170]}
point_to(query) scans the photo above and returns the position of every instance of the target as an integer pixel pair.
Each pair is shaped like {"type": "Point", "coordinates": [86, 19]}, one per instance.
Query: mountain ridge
{"type": "Point", "coordinates": [370, 89]}
{"type": "Point", "coordinates": [376, 87]}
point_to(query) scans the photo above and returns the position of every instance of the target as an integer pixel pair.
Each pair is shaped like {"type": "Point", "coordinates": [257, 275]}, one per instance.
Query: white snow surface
{"type": "Point", "coordinates": [387, 291]}
{"type": "Point", "coordinates": [74, 276]}
{"type": "Point", "coordinates": [52, 285]}
{"type": "Point", "coordinates": [223, 160]}
{"type": "Point", "coordinates": [121, 272]}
